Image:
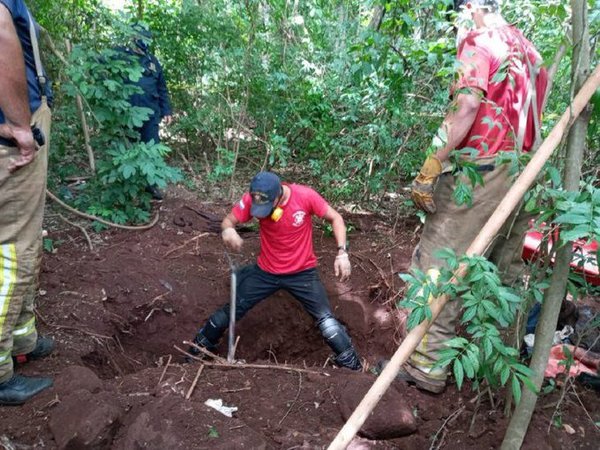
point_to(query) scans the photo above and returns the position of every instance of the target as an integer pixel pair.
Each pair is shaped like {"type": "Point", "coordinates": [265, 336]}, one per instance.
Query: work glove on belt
{"type": "Point", "coordinates": [423, 185]}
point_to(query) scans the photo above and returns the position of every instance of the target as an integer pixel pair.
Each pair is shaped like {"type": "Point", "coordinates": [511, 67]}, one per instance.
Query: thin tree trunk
{"type": "Point", "coordinates": [517, 428]}
{"type": "Point", "coordinates": [140, 9]}
{"type": "Point", "coordinates": [84, 126]}
{"type": "Point", "coordinates": [377, 18]}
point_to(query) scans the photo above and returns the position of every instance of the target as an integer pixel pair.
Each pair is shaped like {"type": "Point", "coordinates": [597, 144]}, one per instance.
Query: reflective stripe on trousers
{"type": "Point", "coordinates": [8, 277]}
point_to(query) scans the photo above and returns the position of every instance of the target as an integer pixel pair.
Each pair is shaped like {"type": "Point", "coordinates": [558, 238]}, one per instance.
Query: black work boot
{"type": "Point", "coordinates": [201, 341]}
{"type": "Point", "coordinates": [43, 347]}
{"type": "Point", "coordinates": [19, 389]}
{"type": "Point", "coordinates": [154, 192]}
{"type": "Point", "coordinates": [349, 359]}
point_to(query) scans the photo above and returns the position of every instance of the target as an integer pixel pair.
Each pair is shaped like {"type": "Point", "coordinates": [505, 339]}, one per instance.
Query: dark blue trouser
{"type": "Point", "coordinates": [254, 285]}
{"type": "Point", "coordinates": [149, 130]}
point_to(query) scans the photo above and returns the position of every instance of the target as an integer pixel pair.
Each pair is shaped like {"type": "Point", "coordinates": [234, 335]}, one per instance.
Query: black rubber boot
{"type": "Point", "coordinates": [19, 389]}
{"type": "Point", "coordinates": [201, 341]}
{"type": "Point", "coordinates": [43, 347]}
{"type": "Point", "coordinates": [154, 192]}
{"type": "Point", "coordinates": [348, 359]}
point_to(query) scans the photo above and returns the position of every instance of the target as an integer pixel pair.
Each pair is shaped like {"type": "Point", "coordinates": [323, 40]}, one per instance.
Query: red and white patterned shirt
{"type": "Point", "coordinates": [492, 60]}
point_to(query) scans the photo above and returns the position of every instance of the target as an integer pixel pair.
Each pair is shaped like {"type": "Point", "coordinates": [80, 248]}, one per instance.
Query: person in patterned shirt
{"type": "Point", "coordinates": [497, 102]}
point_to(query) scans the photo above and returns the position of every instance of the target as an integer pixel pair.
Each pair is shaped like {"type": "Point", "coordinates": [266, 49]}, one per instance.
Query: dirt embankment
{"type": "Point", "coordinates": [116, 314]}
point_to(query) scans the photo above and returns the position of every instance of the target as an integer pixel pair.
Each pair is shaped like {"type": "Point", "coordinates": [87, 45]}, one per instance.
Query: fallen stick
{"type": "Point", "coordinates": [206, 352]}
{"type": "Point", "coordinates": [295, 400]}
{"type": "Point", "coordinates": [239, 365]}
{"type": "Point", "coordinates": [184, 244]}
{"type": "Point", "coordinates": [162, 375]}
{"type": "Point", "coordinates": [237, 340]}
{"type": "Point", "coordinates": [451, 418]}
{"type": "Point", "coordinates": [85, 233]}
{"type": "Point", "coordinates": [89, 333]}
{"type": "Point", "coordinates": [193, 386]}
{"type": "Point", "coordinates": [477, 247]}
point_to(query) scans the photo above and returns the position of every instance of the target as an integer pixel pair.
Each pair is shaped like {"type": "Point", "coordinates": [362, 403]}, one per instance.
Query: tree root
{"type": "Point", "coordinates": [98, 219]}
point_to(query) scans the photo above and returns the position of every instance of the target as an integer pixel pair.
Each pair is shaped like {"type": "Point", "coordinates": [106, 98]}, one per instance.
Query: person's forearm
{"type": "Point", "coordinates": [227, 223]}
{"type": "Point", "coordinates": [14, 100]}
{"type": "Point", "coordinates": [339, 230]}
{"type": "Point", "coordinates": [457, 124]}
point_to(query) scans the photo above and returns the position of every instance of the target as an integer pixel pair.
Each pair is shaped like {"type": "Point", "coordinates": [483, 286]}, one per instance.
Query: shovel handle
{"type": "Point", "coordinates": [232, 310]}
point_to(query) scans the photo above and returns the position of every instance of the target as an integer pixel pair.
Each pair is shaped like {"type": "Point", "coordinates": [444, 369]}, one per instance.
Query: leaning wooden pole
{"type": "Point", "coordinates": [477, 247]}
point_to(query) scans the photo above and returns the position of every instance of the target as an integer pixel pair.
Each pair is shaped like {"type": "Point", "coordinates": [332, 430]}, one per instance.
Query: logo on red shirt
{"type": "Point", "coordinates": [298, 218]}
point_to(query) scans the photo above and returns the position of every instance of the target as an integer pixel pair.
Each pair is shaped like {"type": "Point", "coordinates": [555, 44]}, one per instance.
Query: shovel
{"type": "Point", "coordinates": [232, 308]}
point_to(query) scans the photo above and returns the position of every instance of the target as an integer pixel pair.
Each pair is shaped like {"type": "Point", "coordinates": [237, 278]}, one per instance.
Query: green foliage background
{"type": "Point", "coordinates": [321, 89]}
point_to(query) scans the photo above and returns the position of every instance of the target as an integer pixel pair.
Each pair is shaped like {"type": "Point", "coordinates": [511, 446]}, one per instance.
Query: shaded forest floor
{"type": "Point", "coordinates": [117, 312]}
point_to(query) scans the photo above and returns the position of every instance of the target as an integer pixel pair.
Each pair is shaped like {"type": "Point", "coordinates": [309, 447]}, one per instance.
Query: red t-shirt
{"type": "Point", "coordinates": [286, 245]}
{"type": "Point", "coordinates": [492, 60]}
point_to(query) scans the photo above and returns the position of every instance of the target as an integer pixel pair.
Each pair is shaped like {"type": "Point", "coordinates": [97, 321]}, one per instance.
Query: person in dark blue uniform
{"type": "Point", "coordinates": [155, 94]}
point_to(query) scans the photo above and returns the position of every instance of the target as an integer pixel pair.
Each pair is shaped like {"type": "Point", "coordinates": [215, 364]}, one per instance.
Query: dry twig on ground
{"type": "Point", "coordinates": [239, 365]}
{"type": "Point", "coordinates": [162, 375]}
{"type": "Point", "coordinates": [295, 400]}
{"type": "Point", "coordinates": [184, 244]}
{"type": "Point", "coordinates": [451, 418]}
{"type": "Point", "coordinates": [192, 387]}
{"type": "Point", "coordinates": [83, 230]}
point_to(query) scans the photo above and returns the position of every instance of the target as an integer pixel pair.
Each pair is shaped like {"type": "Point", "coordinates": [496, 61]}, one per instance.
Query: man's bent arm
{"type": "Point", "coordinates": [459, 121]}
{"type": "Point", "coordinates": [14, 100]}
{"type": "Point", "coordinates": [229, 222]}
{"type": "Point", "coordinates": [337, 224]}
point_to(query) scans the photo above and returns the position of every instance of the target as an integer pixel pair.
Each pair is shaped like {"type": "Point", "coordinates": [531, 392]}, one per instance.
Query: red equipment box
{"type": "Point", "coordinates": [584, 261]}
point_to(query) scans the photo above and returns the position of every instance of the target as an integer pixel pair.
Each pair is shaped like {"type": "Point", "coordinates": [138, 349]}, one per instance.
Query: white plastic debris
{"type": "Point", "coordinates": [560, 336]}
{"type": "Point", "coordinates": [529, 340]}
{"type": "Point", "coordinates": [218, 405]}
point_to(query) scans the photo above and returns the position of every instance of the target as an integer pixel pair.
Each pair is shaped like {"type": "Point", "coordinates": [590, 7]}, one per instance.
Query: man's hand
{"type": "Point", "coordinates": [167, 120]}
{"type": "Point", "coordinates": [25, 143]}
{"type": "Point", "coordinates": [232, 239]}
{"type": "Point", "coordinates": [424, 184]}
{"type": "Point", "coordinates": [342, 266]}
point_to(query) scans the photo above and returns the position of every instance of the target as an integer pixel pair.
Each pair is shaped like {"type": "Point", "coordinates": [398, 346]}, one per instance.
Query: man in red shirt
{"type": "Point", "coordinates": [497, 104]}
{"type": "Point", "coordinates": [286, 260]}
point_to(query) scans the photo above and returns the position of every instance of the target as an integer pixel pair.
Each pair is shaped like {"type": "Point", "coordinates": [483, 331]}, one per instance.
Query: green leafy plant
{"type": "Point", "coordinates": [125, 167]}
{"type": "Point", "coordinates": [488, 308]}
{"type": "Point", "coordinates": [48, 245]}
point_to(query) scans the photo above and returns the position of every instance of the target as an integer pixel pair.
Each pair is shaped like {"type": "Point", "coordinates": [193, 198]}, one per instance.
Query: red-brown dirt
{"type": "Point", "coordinates": [117, 312]}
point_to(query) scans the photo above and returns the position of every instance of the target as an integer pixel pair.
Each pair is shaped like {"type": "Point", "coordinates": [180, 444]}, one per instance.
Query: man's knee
{"type": "Point", "coordinates": [334, 333]}
{"type": "Point", "coordinates": [338, 339]}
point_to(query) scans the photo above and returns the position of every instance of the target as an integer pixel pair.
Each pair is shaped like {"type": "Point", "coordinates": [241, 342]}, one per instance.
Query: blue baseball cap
{"type": "Point", "coordinates": [265, 187]}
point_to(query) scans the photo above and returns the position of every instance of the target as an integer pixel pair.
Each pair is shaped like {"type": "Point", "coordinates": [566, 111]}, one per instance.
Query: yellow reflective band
{"type": "Point", "coordinates": [26, 329]}
{"type": "Point", "coordinates": [8, 271]}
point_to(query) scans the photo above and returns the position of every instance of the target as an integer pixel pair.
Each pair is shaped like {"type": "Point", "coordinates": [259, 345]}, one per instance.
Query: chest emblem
{"type": "Point", "coordinates": [298, 218]}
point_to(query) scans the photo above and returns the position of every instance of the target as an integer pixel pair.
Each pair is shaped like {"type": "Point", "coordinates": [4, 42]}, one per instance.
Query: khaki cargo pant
{"type": "Point", "coordinates": [455, 227]}
{"type": "Point", "coordinates": [22, 198]}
